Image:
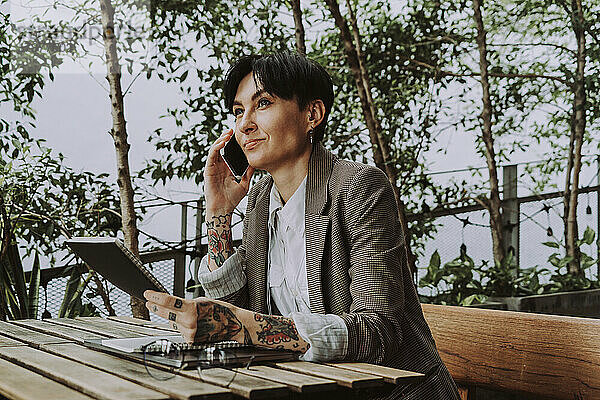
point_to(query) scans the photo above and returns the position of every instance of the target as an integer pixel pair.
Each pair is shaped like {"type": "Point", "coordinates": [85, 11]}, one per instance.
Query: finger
{"type": "Point", "coordinates": [214, 155]}
{"type": "Point", "coordinates": [185, 317]}
{"type": "Point", "coordinates": [163, 299]}
{"type": "Point", "coordinates": [187, 333]}
{"type": "Point", "coordinates": [223, 139]}
{"type": "Point", "coordinates": [165, 312]}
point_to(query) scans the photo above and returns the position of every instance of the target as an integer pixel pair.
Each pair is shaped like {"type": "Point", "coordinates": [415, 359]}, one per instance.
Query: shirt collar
{"type": "Point", "coordinates": [292, 213]}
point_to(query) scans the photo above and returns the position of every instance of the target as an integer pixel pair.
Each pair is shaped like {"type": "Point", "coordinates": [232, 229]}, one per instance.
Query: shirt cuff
{"type": "Point", "coordinates": [225, 280]}
{"type": "Point", "coordinates": [327, 335]}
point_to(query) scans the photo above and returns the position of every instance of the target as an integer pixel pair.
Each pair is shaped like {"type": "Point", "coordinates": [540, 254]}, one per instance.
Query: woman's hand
{"type": "Point", "coordinates": [199, 320]}
{"type": "Point", "coordinates": [204, 320]}
{"type": "Point", "coordinates": [221, 190]}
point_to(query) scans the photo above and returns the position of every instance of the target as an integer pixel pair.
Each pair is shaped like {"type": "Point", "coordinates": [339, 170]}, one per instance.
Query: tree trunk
{"type": "Point", "coordinates": [379, 144]}
{"type": "Point", "coordinates": [578, 129]}
{"type": "Point", "coordinates": [300, 43]}
{"type": "Point", "coordinates": [5, 230]}
{"type": "Point", "coordinates": [119, 135]}
{"type": "Point", "coordinates": [103, 293]}
{"type": "Point", "coordinates": [493, 203]}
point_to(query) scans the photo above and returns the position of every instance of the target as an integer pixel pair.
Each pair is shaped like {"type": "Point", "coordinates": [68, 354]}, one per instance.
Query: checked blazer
{"type": "Point", "coordinates": [356, 268]}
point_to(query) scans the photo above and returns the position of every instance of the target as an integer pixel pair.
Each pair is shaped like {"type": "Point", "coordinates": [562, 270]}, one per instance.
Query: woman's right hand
{"type": "Point", "coordinates": [221, 190]}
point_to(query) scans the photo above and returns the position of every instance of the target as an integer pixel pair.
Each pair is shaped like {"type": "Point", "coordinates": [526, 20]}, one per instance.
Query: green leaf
{"type": "Point", "coordinates": [588, 236]}
{"type": "Point", "coordinates": [551, 244]}
{"type": "Point", "coordinates": [434, 261]}
{"type": "Point", "coordinates": [34, 287]}
{"type": "Point", "coordinates": [70, 292]}
{"type": "Point", "coordinates": [565, 261]}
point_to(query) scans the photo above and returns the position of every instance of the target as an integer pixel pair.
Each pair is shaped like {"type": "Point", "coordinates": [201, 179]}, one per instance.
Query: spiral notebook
{"type": "Point", "coordinates": [193, 355]}
{"type": "Point", "coordinates": [111, 259]}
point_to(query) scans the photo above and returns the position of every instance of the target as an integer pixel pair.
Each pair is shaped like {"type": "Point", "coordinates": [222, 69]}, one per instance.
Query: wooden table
{"type": "Point", "coordinates": [45, 359]}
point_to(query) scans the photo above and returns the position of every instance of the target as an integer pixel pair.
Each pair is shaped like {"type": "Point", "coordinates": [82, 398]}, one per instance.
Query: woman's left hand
{"type": "Point", "coordinates": [200, 320]}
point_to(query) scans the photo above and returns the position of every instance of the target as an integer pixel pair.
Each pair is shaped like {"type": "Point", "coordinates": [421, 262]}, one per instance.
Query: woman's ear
{"type": "Point", "coordinates": [316, 113]}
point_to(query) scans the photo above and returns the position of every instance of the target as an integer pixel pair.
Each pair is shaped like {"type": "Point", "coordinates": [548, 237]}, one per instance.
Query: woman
{"type": "Point", "coordinates": [321, 269]}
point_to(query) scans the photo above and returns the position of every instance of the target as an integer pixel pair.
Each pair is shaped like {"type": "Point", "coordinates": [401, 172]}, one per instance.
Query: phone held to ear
{"type": "Point", "coordinates": [234, 157]}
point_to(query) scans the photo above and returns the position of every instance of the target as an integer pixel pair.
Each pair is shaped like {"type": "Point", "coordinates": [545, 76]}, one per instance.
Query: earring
{"type": "Point", "coordinates": [310, 135]}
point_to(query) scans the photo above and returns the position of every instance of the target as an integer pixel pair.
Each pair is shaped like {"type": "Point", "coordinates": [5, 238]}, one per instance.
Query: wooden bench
{"type": "Point", "coordinates": [532, 355]}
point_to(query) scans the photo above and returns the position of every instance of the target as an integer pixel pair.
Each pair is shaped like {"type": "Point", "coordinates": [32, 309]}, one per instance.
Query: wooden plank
{"type": "Point", "coordinates": [110, 332]}
{"type": "Point", "coordinates": [542, 355]}
{"type": "Point", "coordinates": [389, 375]}
{"type": "Point", "coordinates": [10, 342]}
{"type": "Point", "coordinates": [73, 334]}
{"type": "Point", "coordinates": [28, 336]}
{"type": "Point", "coordinates": [141, 322]}
{"type": "Point", "coordinates": [300, 383]}
{"type": "Point", "coordinates": [178, 387]}
{"type": "Point", "coordinates": [80, 377]}
{"type": "Point", "coordinates": [19, 383]}
{"type": "Point", "coordinates": [242, 385]}
{"type": "Point", "coordinates": [343, 377]}
{"type": "Point", "coordinates": [110, 324]}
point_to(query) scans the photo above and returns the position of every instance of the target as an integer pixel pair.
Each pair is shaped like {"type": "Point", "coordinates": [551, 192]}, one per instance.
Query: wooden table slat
{"type": "Point", "coordinates": [18, 383]}
{"type": "Point", "coordinates": [242, 385]}
{"type": "Point", "coordinates": [142, 330]}
{"type": "Point", "coordinates": [10, 342]}
{"type": "Point", "coordinates": [140, 322]}
{"type": "Point", "coordinates": [112, 332]}
{"type": "Point", "coordinates": [297, 382]}
{"type": "Point", "coordinates": [65, 332]}
{"type": "Point", "coordinates": [390, 375]}
{"type": "Point", "coordinates": [178, 387]}
{"type": "Point", "coordinates": [343, 377]}
{"type": "Point", "coordinates": [28, 336]}
{"type": "Point", "coordinates": [80, 377]}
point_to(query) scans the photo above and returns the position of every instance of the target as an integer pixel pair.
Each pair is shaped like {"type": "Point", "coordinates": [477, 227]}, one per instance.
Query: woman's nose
{"type": "Point", "coordinates": [246, 123]}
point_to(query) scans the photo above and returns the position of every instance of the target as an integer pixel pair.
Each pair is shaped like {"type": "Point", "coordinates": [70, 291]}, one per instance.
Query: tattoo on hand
{"type": "Point", "coordinates": [215, 323]}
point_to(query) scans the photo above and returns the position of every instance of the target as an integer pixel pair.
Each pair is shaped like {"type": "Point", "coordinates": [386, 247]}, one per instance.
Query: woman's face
{"type": "Point", "coordinates": [272, 131]}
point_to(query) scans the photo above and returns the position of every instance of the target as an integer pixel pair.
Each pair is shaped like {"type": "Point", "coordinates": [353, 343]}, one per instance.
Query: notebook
{"type": "Point", "coordinates": [137, 344]}
{"type": "Point", "coordinates": [204, 354]}
{"type": "Point", "coordinates": [111, 259]}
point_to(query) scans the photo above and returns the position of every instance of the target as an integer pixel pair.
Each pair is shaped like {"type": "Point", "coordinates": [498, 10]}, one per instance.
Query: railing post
{"type": "Point", "coordinates": [198, 244]}
{"type": "Point", "coordinates": [598, 217]}
{"type": "Point", "coordinates": [510, 211]}
{"type": "Point", "coordinates": [179, 267]}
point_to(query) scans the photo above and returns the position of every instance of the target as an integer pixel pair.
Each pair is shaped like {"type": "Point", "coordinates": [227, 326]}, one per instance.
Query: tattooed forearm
{"type": "Point", "coordinates": [275, 329]}
{"type": "Point", "coordinates": [220, 245]}
{"type": "Point", "coordinates": [247, 338]}
{"type": "Point", "coordinates": [215, 323]}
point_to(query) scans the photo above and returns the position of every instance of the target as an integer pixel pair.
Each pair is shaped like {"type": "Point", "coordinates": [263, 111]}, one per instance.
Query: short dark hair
{"type": "Point", "coordinates": [285, 75]}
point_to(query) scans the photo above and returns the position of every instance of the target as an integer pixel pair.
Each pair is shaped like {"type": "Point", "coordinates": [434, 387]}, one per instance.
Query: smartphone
{"type": "Point", "coordinates": [235, 158]}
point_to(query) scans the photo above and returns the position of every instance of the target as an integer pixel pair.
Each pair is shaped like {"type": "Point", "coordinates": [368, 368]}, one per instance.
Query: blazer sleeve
{"type": "Point", "coordinates": [376, 268]}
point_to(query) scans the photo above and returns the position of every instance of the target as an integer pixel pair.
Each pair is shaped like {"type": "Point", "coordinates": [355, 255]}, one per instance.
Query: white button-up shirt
{"type": "Point", "coordinates": [287, 282]}
{"type": "Point", "coordinates": [287, 252]}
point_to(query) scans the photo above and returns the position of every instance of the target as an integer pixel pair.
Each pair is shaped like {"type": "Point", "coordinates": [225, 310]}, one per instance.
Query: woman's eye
{"type": "Point", "coordinates": [263, 102]}
{"type": "Point", "coordinates": [237, 112]}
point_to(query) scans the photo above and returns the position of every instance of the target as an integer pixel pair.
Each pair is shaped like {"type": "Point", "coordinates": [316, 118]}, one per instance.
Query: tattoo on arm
{"type": "Point", "coordinates": [215, 323]}
{"type": "Point", "coordinates": [274, 330]}
{"type": "Point", "coordinates": [247, 337]}
{"type": "Point", "coordinates": [220, 245]}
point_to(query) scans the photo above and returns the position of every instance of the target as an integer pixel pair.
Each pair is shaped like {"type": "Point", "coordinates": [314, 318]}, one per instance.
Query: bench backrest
{"type": "Point", "coordinates": [545, 355]}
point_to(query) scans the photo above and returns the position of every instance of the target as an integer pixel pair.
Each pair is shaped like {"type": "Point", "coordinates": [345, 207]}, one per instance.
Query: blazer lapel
{"type": "Point", "coordinates": [257, 250]}
{"type": "Point", "coordinates": [316, 224]}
